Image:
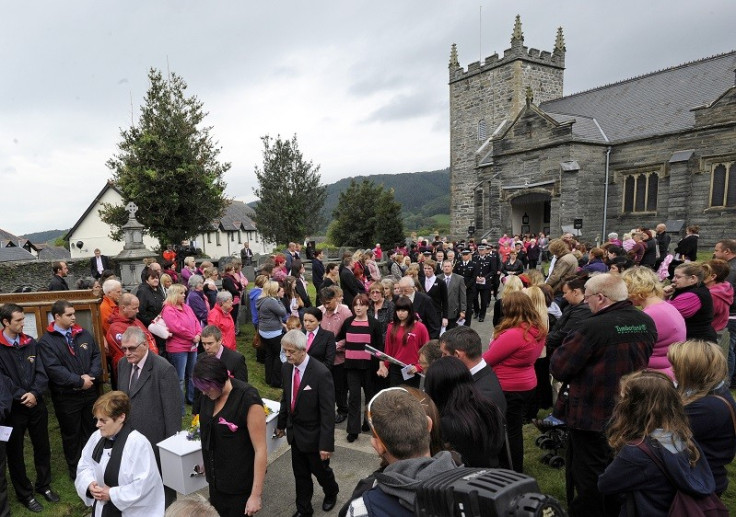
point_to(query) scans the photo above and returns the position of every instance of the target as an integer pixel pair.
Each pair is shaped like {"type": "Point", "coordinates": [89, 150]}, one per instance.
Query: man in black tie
{"type": "Point", "coordinates": [468, 269]}
{"type": "Point", "coordinates": [308, 416]}
{"type": "Point", "coordinates": [72, 361]}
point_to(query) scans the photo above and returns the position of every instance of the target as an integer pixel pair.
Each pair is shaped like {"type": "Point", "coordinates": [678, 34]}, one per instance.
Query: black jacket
{"type": "Point", "coordinates": [23, 367]}
{"type": "Point", "coordinates": [58, 284]}
{"type": "Point", "coordinates": [65, 365]}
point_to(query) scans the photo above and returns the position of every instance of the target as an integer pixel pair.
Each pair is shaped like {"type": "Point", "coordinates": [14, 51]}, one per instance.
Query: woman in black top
{"type": "Point", "coordinates": [233, 426]}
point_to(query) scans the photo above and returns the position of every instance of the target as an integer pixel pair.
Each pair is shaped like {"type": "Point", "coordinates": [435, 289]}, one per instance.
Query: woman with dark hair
{"type": "Point", "coordinates": [620, 264]}
{"type": "Point", "coordinates": [231, 283]}
{"type": "Point", "coordinates": [595, 261]}
{"type": "Point", "coordinates": [292, 301]}
{"type": "Point", "coordinates": [654, 446]}
{"type": "Point", "coordinates": [358, 331]}
{"type": "Point", "coordinates": [470, 423]}
{"type": "Point", "coordinates": [686, 249]}
{"type": "Point", "coordinates": [297, 271]}
{"type": "Point", "coordinates": [233, 426]}
{"type": "Point", "coordinates": [405, 335]}
{"type": "Point", "coordinates": [700, 369]}
{"type": "Point", "coordinates": [689, 295]}
{"type": "Point", "coordinates": [381, 308]}
{"type": "Point", "coordinates": [117, 472]}
{"type": "Point", "coordinates": [320, 342]}
{"type": "Point", "coordinates": [650, 249]}
{"type": "Point", "coordinates": [517, 342]}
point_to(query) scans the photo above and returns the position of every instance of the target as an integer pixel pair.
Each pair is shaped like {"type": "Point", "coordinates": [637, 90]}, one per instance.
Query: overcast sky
{"type": "Point", "coordinates": [362, 84]}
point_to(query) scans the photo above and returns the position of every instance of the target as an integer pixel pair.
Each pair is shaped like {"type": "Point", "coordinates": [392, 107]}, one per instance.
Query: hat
{"type": "Point", "coordinates": [465, 252]}
{"type": "Point", "coordinates": [482, 247]}
{"type": "Point", "coordinates": [427, 253]}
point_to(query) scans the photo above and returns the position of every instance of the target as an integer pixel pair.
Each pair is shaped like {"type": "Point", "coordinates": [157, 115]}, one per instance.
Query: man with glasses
{"type": "Point", "coordinates": [423, 306]}
{"type": "Point", "coordinates": [616, 340]}
{"type": "Point", "coordinates": [125, 317]}
{"type": "Point", "coordinates": [152, 384]}
{"type": "Point", "coordinates": [72, 361]}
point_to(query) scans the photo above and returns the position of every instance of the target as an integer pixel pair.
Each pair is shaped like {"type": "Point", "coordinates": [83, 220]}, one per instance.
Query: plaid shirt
{"type": "Point", "coordinates": [613, 342]}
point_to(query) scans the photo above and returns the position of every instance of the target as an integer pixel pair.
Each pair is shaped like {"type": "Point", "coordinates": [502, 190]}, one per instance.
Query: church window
{"type": "Point", "coordinates": [723, 185]}
{"type": "Point", "coordinates": [640, 192]}
{"type": "Point", "coordinates": [482, 130]}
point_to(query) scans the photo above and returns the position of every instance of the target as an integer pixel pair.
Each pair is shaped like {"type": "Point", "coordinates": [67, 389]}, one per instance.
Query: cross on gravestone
{"type": "Point", "coordinates": [132, 208]}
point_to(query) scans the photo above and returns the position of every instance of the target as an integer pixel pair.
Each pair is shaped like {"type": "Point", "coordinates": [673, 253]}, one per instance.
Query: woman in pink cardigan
{"type": "Point", "coordinates": [181, 346]}
{"type": "Point", "coordinates": [517, 342]}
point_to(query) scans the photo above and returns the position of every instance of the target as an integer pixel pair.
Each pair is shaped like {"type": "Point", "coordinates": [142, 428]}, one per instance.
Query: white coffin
{"type": "Point", "coordinates": [179, 456]}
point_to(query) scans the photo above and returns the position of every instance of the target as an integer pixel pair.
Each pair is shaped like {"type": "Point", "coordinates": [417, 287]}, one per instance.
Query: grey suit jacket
{"type": "Point", "coordinates": [456, 298]}
{"type": "Point", "coordinates": [155, 400]}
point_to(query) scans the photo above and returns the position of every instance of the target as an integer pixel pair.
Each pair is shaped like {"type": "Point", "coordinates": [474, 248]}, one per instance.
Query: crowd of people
{"type": "Point", "coordinates": [629, 345]}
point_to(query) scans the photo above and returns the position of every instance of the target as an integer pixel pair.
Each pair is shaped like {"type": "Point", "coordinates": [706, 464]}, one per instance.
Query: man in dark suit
{"type": "Point", "coordinates": [423, 306]}
{"type": "Point", "coordinates": [211, 339]}
{"type": "Point", "coordinates": [489, 268]}
{"type": "Point", "coordinates": [152, 384]}
{"type": "Point", "coordinates": [98, 263]}
{"type": "Point", "coordinates": [464, 343]}
{"type": "Point", "coordinates": [467, 268]}
{"type": "Point", "coordinates": [351, 286]}
{"type": "Point", "coordinates": [58, 281]}
{"type": "Point", "coordinates": [456, 295]}
{"type": "Point", "coordinates": [436, 289]}
{"type": "Point", "coordinates": [308, 416]}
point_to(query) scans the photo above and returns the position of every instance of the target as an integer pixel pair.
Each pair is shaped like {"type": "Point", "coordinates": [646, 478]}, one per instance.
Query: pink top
{"type": "Point", "coordinates": [333, 321]}
{"type": "Point", "coordinates": [687, 303]}
{"type": "Point", "coordinates": [512, 358]}
{"type": "Point", "coordinates": [225, 323]}
{"type": "Point", "coordinates": [183, 325]}
{"type": "Point", "coordinates": [409, 353]}
{"type": "Point", "coordinates": [722, 294]}
{"type": "Point", "coordinates": [670, 328]}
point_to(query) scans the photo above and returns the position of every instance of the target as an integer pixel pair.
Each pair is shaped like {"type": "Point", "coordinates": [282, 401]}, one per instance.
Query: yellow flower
{"type": "Point", "coordinates": [267, 410]}
{"type": "Point", "coordinates": [195, 421]}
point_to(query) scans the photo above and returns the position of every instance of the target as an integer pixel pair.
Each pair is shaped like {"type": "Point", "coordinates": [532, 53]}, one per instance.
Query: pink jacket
{"type": "Point", "coordinates": [183, 325]}
{"type": "Point", "coordinates": [722, 294]}
{"type": "Point", "coordinates": [512, 358]}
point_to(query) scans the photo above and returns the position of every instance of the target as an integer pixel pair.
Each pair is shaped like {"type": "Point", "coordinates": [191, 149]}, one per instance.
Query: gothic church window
{"type": "Point", "coordinates": [482, 130]}
{"type": "Point", "coordinates": [640, 192]}
{"type": "Point", "coordinates": [723, 184]}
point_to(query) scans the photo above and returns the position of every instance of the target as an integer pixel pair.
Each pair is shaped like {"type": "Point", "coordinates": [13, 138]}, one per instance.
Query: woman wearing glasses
{"type": "Point", "coordinates": [689, 295]}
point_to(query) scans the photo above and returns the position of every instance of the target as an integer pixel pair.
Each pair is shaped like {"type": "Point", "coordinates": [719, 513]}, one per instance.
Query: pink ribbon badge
{"type": "Point", "coordinates": [230, 425]}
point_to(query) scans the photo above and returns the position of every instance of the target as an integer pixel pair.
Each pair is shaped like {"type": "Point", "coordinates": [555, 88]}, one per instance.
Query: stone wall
{"type": "Point", "coordinates": [37, 274]}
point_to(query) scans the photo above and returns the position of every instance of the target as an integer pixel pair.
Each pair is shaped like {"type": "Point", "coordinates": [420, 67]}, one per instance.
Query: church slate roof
{"type": "Point", "coordinates": [237, 216]}
{"type": "Point", "coordinates": [12, 253]}
{"type": "Point", "coordinates": [651, 104]}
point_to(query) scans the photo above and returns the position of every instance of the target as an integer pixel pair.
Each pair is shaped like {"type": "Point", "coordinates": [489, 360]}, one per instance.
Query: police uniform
{"type": "Point", "coordinates": [488, 268]}
{"type": "Point", "coordinates": [468, 269]}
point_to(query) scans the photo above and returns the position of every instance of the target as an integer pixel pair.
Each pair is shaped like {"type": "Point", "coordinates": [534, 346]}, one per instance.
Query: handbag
{"type": "Point", "coordinates": [158, 328]}
{"type": "Point", "coordinates": [256, 340]}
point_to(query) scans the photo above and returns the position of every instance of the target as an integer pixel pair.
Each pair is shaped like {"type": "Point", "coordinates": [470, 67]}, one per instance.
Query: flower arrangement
{"type": "Point", "coordinates": [267, 410]}
{"type": "Point", "coordinates": [193, 432]}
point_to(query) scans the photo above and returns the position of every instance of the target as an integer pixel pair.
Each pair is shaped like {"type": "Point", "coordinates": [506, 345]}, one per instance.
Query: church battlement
{"type": "Point", "coordinates": [517, 51]}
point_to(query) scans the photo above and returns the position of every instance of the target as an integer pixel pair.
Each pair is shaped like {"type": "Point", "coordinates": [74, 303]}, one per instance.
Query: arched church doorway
{"type": "Point", "coordinates": [531, 213]}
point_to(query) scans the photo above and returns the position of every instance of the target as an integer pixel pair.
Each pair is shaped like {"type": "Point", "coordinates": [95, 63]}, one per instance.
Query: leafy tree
{"type": "Point", "coordinates": [289, 192]}
{"type": "Point", "coordinates": [167, 165]}
{"type": "Point", "coordinates": [366, 213]}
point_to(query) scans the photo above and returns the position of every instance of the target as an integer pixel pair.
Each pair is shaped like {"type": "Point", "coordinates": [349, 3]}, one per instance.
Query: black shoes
{"type": "Point", "coordinates": [481, 320]}
{"type": "Point", "coordinates": [33, 505]}
{"type": "Point", "coordinates": [329, 502]}
{"type": "Point", "coordinates": [51, 496]}
{"type": "Point", "coordinates": [365, 427]}
{"type": "Point", "coordinates": [352, 437]}
{"type": "Point", "coordinates": [340, 418]}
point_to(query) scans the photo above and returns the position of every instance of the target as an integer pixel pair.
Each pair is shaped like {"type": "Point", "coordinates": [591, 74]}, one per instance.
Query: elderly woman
{"type": "Point", "coordinates": [271, 313]}
{"type": "Point", "coordinates": [396, 262]}
{"type": "Point", "coordinates": [645, 291]}
{"type": "Point", "coordinates": [689, 295]}
{"type": "Point", "coordinates": [197, 300]}
{"type": "Point", "coordinates": [188, 269]}
{"type": "Point", "coordinates": [181, 346]}
{"type": "Point", "coordinates": [117, 472]}
{"type": "Point", "coordinates": [700, 370]}
{"type": "Point", "coordinates": [565, 264]}
{"type": "Point", "coordinates": [233, 425]}
{"type": "Point", "coordinates": [219, 316]}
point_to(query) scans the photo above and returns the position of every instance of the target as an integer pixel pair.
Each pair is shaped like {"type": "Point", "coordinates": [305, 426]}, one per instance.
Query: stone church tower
{"type": "Point", "coordinates": [484, 97]}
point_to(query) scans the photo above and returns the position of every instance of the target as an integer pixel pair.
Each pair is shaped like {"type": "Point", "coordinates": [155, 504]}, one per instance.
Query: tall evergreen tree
{"type": "Point", "coordinates": [389, 223]}
{"type": "Point", "coordinates": [167, 165]}
{"type": "Point", "coordinates": [289, 192]}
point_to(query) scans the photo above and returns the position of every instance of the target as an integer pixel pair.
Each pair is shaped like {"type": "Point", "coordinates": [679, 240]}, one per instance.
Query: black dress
{"type": "Point", "coordinates": [228, 455]}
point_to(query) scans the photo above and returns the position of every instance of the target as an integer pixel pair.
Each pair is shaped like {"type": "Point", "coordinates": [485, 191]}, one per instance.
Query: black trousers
{"type": "Point", "coordinates": [470, 298]}
{"type": "Point", "coordinates": [517, 403]}
{"type": "Point", "coordinates": [4, 504]}
{"type": "Point", "coordinates": [273, 361]}
{"type": "Point", "coordinates": [588, 455]}
{"type": "Point", "coordinates": [228, 505]}
{"type": "Point", "coordinates": [304, 465]}
{"type": "Point", "coordinates": [36, 420]}
{"type": "Point", "coordinates": [341, 388]}
{"type": "Point", "coordinates": [76, 422]}
{"type": "Point", "coordinates": [485, 299]}
{"type": "Point", "coordinates": [396, 379]}
{"type": "Point", "coordinates": [357, 379]}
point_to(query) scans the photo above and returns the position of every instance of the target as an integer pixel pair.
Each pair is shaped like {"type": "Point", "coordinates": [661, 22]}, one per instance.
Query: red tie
{"type": "Point", "coordinates": [294, 387]}
{"type": "Point", "coordinates": [310, 338]}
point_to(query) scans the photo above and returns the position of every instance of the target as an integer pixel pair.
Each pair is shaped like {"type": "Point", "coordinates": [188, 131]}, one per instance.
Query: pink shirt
{"type": "Point", "coordinates": [670, 328]}
{"type": "Point", "coordinates": [512, 357]}
{"type": "Point", "coordinates": [183, 325]}
{"type": "Point", "coordinates": [333, 321]}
